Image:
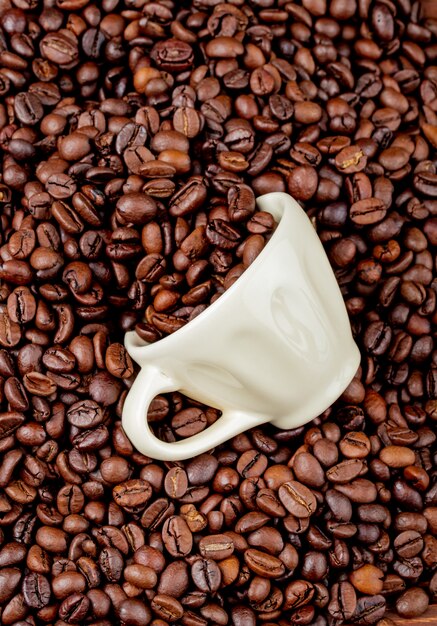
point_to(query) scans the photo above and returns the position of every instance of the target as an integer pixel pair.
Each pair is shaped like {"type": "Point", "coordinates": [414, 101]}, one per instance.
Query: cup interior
{"type": "Point", "coordinates": [274, 203]}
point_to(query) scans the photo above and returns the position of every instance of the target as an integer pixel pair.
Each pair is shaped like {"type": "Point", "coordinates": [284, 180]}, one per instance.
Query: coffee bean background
{"type": "Point", "coordinates": [135, 137]}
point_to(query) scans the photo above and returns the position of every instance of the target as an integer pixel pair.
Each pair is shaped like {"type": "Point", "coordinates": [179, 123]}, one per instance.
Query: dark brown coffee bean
{"type": "Point", "coordinates": [412, 603]}
{"type": "Point", "coordinates": [10, 578]}
{"type": "Point", "coordinates": [21, 305]}
{"type": "Point", "coordinates": [263, 564]}
{"type": "Point", "coordinates": [111, 563]}
{"type": "Point", "coordinates": [189, 198]}
{"type": "Point", "coordinates": [343, 602]}
{"type": "Point", "coordinates": [367, 211]}
{"type": "Point", "coordinates": [345, 471]}
{"type": "Point", "coordinates": [134, 612]}
{"type": "Point", "coordinates": [167, 608]}
{"type": "Point", "coordinates": [216, 547]}
{"type": "Point", "coordinates": [60, 48]}
{"type": "Point", "coordinates": [176, 482]}
{"type": "Point", "coordinates": [68, 582]}
{"type": "Point", "coordinates": [132, 494]}
{"type": "Point", "coordinates": [297, 499]}
{"type": "Point", "coordinates": [308, 470]}
{"type": "Point", "coordinates": [39, 384]}
{"type": "Point", "coordinates": [136, 208]}
{"type": "Point", "coordinates": [189, 422]}
{"type": "Point", "coordinates": [172, 55]}
{"type": "Point", "coordinates": [408, 544]}
{"type": "Point", "coordinates": [140, 576]}
{"type": "Point", "coordinates": [36, 590]}
{"type": "Point", "coordinates": [222, 235]}
{"type": "Point", "coordinates": [251, 463]}
{"type": "Point", "coordinates": [298, 593]}
{"type": "Point", "coordinates": [118, 361]}
{"type": "Point", "coordinates": [28, 108]}
{"type": "Point", "coordinates": [177, 537]}
{"type": "Point", "coordinates": [206, 575]}
{"type": "Point", "coordinates": [370, 609]}
{"type": "Point", "coordinates": [10, 331]}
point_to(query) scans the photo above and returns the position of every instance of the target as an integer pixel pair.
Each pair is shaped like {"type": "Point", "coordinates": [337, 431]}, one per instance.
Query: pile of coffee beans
{"type": "Point", "coordinates": [135, 136]}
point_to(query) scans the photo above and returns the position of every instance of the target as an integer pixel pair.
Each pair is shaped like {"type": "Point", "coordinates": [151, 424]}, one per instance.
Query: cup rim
{"type": "Point", "coordinates": [134, 342]}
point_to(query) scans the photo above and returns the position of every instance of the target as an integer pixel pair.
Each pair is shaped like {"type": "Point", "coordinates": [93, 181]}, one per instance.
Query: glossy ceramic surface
{"type": "Point", "coordinates": [276, 347]}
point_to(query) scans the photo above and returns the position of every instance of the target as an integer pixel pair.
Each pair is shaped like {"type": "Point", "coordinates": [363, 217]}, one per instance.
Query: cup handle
{"type": "Point", "coordinates": [149, 383]}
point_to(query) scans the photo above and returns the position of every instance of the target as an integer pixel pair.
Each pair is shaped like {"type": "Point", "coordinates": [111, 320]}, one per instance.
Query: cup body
{"type": "Point", "coordinates": [277, 346]}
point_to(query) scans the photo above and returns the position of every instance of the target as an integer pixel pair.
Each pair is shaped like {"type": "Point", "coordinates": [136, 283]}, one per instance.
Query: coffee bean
{"type": "Point", "coordinates": [367, 211]}
{"type": "Point", "coordinates": [216, 547]}
{"type": "Point", "coordinates": [140, 576]}
{"type": "Point", "coordinates": [21, 305]}
{"type": "Point", "coordinates": [177, 536]}
{"type": "Point", "coordinates": [176, 482]}
{"type": "Point", "coordinates": [10, 578]}
{"type": "Point", "coordinates": [369, 609]}
{"type": "Point", "coordinates": [345, 471]}
{"type": "Point", "coordinates": [118, 361]}
{"type": "Point", "coordinates": [263, 564]}
{"type": "Point", "coordinates": [68, 582]}
{"type": "Point", "coordinates": [308, 470]}
{"type": "Point", "coordinates": [28, 108]}
{"type": "Point", "coordinates": [132, 494]}
{"type": "Point", "coordinates": [51, 539]}
{"type": "Point", "coordinates": [167, 608]}
{"type": "Point", "coordinates": [10, 332]}
{"type": "Point", "coordinates": [408, 544]}
{"type": "Point", "coordinates": [136, 208]}
{"type": "Point", "coordinates": [111, 563]}
{"type": "Point", "coordinates": [297, 499]}
{"type": "Point", "coordinates": [367, 579]}
{"type": "Point", "coordinates": [222, 235]}
{"type": "Point", "coordinates": [412, 603]}
{"type": "Point", "coordinates": [36, 590]}
{"type": "Point", "coordinates": [397, 456]}
{"type": "Point", "coordinates": [60, 48]}
{"type": "Point", "coordinates": [189, 422]}
{"type": "Point", "coordinates": [172, 55]}
{"type": "Point", "coordinates": [206, 575]}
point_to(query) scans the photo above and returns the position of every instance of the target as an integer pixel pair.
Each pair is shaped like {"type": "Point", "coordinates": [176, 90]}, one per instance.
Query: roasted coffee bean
{"type": "Point", "coordinates": [140, 576]}
{"type": "Point", "coordinates": [412, 603]}
{"type": "Point", "coordinates": [216, 547]}
{"type": "Point", "coordinates": [343, 601]}
{"type": "Point", "coordinates": [28, 108]}
{"type": "Point", "coordinates": [118, 361]}
{"type": "Point", "coordinates": [176, 482]}
{"type": "Point", "coordinates": [85, 414]}
{"type": "Point", "coordinates": [167, 608]}
{"type": "Point", "coordinates": [263, 564]}
{"type": "Point", "coordinates": [189, 422]}
{"type": "Point", "coordinates": [298, 593]}
{"type": "Point", "coordinates": [36, 590]}
{"type": "Point", "coordinates": [206, 575]}
{"type": "Point", "coordinates": [297, 499]}
{"type": "Point", "coordinates": [10, 578]}
{"type": "Point", "coordinates": [177, 537]}
{"type": "Point", "coordinates": [369, 609]}
{"type": "Point", "coordinates": [132, 494]}
{"type": "Point", "coordinates": [67, 582]}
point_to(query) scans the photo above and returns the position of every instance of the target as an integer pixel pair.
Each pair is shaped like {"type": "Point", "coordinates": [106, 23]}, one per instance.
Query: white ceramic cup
{"type": "Point", "coordinates": [275, 347]}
